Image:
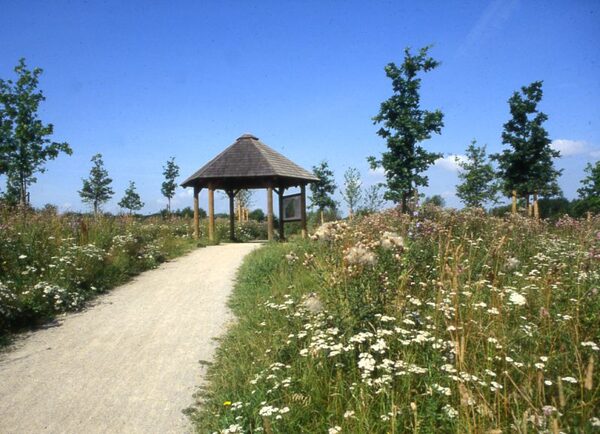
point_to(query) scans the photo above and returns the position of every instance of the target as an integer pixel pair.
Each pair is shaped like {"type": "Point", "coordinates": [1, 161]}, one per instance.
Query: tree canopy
{"type": "Point", "coordinates": [352, 191]}
{"type": "Point", "coordinates": [527, 165]}
{"type": "Point", "coordinates": [477, 178]}
{"type": "Point", "coordinates": [25, 145]}
{"type": "Point", "coordinates": [96, 189]}
{"type": "Point", "coordinates": [322, 191]}
{"type": "Point", "coordinates": [131, 200]}
{"type": "Point", "coordinates": [589, 192]}
{"type": "Point", "coordinates": [170, 172]}
{"type": "Point", "coordinates": [404, 126]}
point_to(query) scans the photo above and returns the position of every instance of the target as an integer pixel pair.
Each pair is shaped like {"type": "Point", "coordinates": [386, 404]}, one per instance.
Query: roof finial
{"type": "Point", "coordinates": [247, 136]}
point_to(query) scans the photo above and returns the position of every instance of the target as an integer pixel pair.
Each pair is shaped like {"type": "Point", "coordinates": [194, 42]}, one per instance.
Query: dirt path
{"type": "Point", "coordinates": [130, 363]}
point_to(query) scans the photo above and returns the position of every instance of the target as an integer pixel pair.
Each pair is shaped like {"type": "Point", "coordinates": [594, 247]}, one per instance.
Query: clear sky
{"type": "Point", "coordinates": [142, 81]}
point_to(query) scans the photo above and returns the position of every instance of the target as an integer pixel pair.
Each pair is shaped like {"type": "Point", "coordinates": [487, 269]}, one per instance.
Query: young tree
{"type": "Point", "coordinates": [527, 167]}
{"type": "Point", "coordinates": [322, 191]}
{"type": "Point", "coordinates": [171, 172]}
{"type": "Point", "coordinates": [589, 193]}
{"type": "Point", "coordinates": [131, 200]}
{"type": "Point", "coordinates": [373, 199]}
{"type": "Point", "coordinates": [405, 125]}
{"type": "Point", "coordinates": [96, 189]}
{"type": "Point", "coordinates": [24, 138]}
{"type": "Point", "coordinates": [352, 192]}
{"type": "Point", "coordinates": [478, 184]}
{"type": "Point", "coordinates": [436, 200]}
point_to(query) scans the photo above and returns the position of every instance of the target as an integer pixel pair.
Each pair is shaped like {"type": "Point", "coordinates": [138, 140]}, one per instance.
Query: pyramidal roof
{"type": "Point", "coordinates": [251, 162]}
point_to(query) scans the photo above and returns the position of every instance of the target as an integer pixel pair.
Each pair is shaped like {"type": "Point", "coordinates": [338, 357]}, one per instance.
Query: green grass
{"type": "Point", "coordinates": [51, 264]}
{"type": "Point", "coordinates": [477, 324]}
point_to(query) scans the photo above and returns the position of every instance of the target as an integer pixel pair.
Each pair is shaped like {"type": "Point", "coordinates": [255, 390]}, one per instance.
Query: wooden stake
{"type": "Point", "coordinates": [196, 213]}
{"type": "Point", "coordinates": [281, 227]}
{"type": "Point", "coordinates": [231, 216]}
{"type": "Point", "coordinates": [536, 208]}
{"type": "Point", "coordinates": [211, 214]}
{"type": "Point", "coordinates": [270, 214]}
{"type": "Point", "coordinates": [303, 210]}
{"type": "Point", "coordinates": [322, 218]}
{"type": "Point", "coordinates": [514, 201]}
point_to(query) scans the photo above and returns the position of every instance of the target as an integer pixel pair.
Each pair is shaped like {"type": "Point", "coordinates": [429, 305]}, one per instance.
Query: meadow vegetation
{"type": "Point", "coordinates": [52, 263]}
{"type": "Point", "coordinates": [444, 321]}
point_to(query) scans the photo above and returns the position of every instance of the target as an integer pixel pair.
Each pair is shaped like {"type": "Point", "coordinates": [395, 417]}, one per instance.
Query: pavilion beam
{"type": "Point", "coordinates": [281, 227]}
{"type": "Point", "coordinates": [303, 210]}
{"type": "Point", "coordinates": [231, 195]}
{"type": "Point", "coordinates": [196, 212]}
{"type": "Point", "coordinates": [211, 213]}
{"type": "Point", "coordinates": [270, 213]}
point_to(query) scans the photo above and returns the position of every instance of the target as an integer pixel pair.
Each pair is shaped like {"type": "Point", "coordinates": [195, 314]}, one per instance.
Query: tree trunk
{"type": "Point", "coordinates": [514, 201]}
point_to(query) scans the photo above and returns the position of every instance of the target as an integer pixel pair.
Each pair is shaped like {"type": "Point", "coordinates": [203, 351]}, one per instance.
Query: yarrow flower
{"type": "Point", "coordinates": [517, 299]}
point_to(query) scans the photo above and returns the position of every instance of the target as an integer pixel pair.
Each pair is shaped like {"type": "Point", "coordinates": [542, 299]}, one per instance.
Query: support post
{"type": "Point", "coordinates": [536, 208]}
{"type": "Point", "coordinates": [196, 213]}
{"type": "Point", "coordinates": [270, 214]}
{"type": "Point", "coordinates": [303, 210]}
{"type": "Point", "coordinates": [231, 216]}
{"type": "Point", "coordinates": [281, 229]}
{"type": "Point", "coordinates": [514, 201]}
{"type": "Point", "coordinates": [211, 214]}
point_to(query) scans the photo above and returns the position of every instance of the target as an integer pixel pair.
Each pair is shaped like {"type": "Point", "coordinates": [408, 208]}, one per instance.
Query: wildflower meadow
{"type": "Point", "coordinates": [442, 321]}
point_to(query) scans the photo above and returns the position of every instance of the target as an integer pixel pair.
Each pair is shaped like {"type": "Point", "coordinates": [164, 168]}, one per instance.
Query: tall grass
{"type": "Point", "coordinates": [445, 322]}
{"type": "Point", "coordinates": [51, 264]}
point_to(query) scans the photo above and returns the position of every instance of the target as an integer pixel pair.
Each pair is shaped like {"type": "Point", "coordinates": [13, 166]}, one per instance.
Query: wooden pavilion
{"type": "Point", "coordinates": [249, 164]}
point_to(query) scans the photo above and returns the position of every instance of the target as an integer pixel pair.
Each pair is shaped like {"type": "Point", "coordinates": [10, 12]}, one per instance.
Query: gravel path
{"type": "Point", "coordinates": [130, 363]}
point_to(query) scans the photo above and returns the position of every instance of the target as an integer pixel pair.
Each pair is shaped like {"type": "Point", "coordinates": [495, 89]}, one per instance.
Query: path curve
{"type": "Point", "coordinates": [130, 363]}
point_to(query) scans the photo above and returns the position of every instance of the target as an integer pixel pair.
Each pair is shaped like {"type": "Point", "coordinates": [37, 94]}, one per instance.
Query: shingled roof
{"type": "Point", "coordinates": [249, 163]}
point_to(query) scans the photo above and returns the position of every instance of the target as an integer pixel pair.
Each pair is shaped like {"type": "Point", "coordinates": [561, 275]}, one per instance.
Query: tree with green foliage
{"type": "Point", "coordinates": [373, 199]}
{"type": "Point", "coordinates": [257, 215]}
{"type": "Point", "coordinates": [170, 172]}
{"type": "Point", "coordinates": [527, 166]}
{"type": "Point", "coordinates": [352, 191]}
{"type": "Point", "coordinates": [323, 190]}
{"type": "Point", "coordinates": [96, 189]}
{"type": "Point", "coordinates": [478, 184]}
{"type": "Point", "coordinates": [24, 139]}
{"type": "Point", "coordinates": [589, 193]}
{"type": "Point", "coordinates": [436, 200]}
{"type": "Point", "coordinates": [405, 126]}
{"type": "Point", "coordinates": [131, 200]}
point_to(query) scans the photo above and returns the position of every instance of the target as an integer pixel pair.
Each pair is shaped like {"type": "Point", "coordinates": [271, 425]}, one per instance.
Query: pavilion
{"type": "Point", "coordinates": [249, 164]}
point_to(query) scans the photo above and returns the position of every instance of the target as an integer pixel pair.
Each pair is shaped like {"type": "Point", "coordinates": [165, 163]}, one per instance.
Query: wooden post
{"type": "Point", "coordinates": [281, 227]}
{"type": "Point", "coordinates": [231, 216]}
{"type": "Point", "coordinates": [322, 217]}
{"type": "Point", "coordinates": [514, 201]}
{"type": "Point", "coordinates": [536, 208]}
{"type": "Point", "coordinates": [211, 214]}
{"type": "Point", "coordinates": [196, 213]}
{"type": "Point", "coordinates": [270, 214]}
{"type": "Point", "coordinates": [303, 210]}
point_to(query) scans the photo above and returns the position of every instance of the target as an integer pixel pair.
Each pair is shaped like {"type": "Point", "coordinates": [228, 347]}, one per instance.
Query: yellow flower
{"type": "Point", "coordinates": [227, 403]}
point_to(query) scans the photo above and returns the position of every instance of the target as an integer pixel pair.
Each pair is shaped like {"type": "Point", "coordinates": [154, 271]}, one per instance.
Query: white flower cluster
{"type": "Point", "coordinates": [330, 231]}
{"type": "Point", "coordinates": [360, 255]}
{"type": "Point", "coordinates": [391, 240]}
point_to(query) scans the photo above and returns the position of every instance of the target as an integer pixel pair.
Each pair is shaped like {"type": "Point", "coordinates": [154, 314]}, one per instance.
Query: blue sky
{"type": "Point", "coordinates": [142, 81]}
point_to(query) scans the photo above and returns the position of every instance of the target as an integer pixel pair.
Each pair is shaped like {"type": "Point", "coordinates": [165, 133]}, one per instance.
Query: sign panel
{"type": "Point", "coordinates": [292, 208]}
